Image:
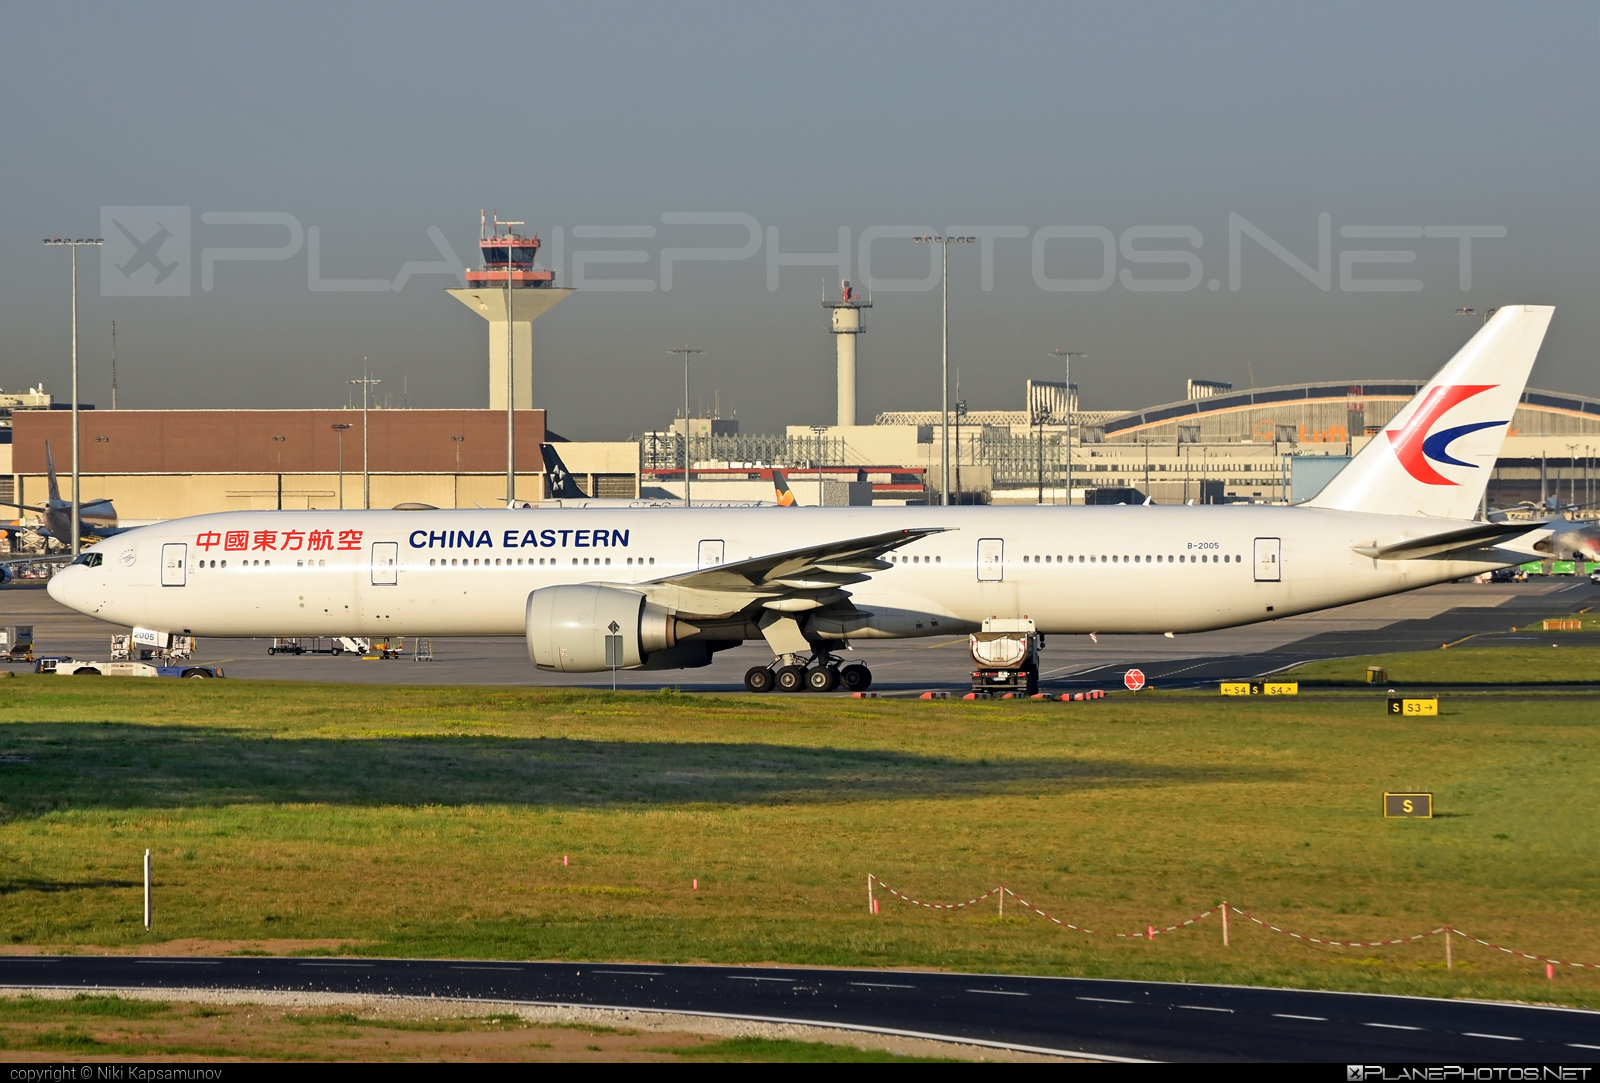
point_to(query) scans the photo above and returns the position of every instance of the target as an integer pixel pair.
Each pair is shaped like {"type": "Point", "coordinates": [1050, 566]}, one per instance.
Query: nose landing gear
{"type": "Point", "coordinates": [824, 674]}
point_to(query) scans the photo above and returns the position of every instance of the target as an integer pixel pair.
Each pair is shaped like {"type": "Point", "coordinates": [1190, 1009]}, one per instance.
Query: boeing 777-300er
{"type": "Point", "coordinates": [665, 588]}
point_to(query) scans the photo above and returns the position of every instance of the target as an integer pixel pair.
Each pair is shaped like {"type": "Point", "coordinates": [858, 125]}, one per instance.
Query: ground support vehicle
{"type": "Point", "coordinates": [63, 666]}
{"type": "Point", "coordinates": [16, 643]}
{"type": "Point", "coordinates": [1006, 653]}
{"type": "Point", "coordinates": [334, 645]}
{"type": "Point", "coordinates": [386, 648]}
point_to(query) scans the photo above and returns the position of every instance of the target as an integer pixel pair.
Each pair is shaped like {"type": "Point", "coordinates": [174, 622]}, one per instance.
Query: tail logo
{"type": "Point", "coordinates": [1414, 443]}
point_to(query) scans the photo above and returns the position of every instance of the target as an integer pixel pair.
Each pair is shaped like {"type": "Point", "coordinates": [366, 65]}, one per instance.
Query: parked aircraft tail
{"type": "Point", "coordinates": [782, 493]}
{"type": "Point", "coordinates": [50, 470]}
{"type": "Point", "coordinates": [560, 484]}
{"type": "Point", "coordinates": [1434, 458]}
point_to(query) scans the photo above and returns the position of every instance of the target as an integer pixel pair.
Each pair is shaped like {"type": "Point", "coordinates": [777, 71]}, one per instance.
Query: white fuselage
{"type": "Point", "coordinates": [1072, 570]}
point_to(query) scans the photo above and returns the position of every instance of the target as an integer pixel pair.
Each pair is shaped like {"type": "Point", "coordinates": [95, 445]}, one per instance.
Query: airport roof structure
{"type": "Point", "coordinates": [1326, 412]}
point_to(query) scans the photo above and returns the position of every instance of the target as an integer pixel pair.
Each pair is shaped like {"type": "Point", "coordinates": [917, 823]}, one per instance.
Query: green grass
{"type": "Point", "coordinates": [433, 821]}
{"type": "Point", "coordinates": [783, 1051]}
{"type": "Point", "coordinates": [1575, 661]}
{"type": "Point", "coordinates": [23, 1009]}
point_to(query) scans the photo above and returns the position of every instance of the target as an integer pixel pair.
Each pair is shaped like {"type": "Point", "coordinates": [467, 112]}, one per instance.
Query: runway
{"type": "Point", "coordinates": [1109, 1020]}
{"type": "Point", "coordinates": [1421, 620]}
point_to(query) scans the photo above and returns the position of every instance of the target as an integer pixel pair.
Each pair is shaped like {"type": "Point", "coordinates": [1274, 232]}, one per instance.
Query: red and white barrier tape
{"type": "Point", "coordinates": [1151, 932]}
{"type": "Point", "coordinates": [1047, 917]}
{"type": "Point", "coordinates": [1339, 943]}
{"type": "Point", "coordinates": [935, 906]}
{"type": "Point", "coordinates": [1525, 955]}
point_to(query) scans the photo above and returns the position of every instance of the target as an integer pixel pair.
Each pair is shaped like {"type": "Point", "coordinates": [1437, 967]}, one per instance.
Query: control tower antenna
{"type": "Point", "coordinates": [510, 291]}
{"type": "Point", "coordinates": [847, 324]}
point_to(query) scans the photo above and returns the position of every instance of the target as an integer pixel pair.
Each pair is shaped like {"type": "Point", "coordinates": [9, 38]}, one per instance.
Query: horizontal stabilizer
{"type": "Point", "coordinates": [1476, 536]}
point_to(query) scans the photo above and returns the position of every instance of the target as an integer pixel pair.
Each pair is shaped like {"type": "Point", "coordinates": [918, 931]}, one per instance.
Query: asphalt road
{"type": "Point", "coordinates": [1073, 1016]}
{"type": "Point", "coordinates": [1421, 620]}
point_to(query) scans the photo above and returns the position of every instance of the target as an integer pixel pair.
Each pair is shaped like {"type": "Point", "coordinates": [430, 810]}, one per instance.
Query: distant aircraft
{"type": "Point", "coordinates": [565, 492]}
{"type": "Point", "coordinates": [1569, 539]}
{"type": "Point", "coordinates": [96, 518]}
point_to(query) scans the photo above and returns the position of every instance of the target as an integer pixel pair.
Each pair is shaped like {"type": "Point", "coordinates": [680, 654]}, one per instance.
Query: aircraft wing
{"type": "Point", "coordinates": [793, 581]}
{"type": "Point", "coordinates": [1472, 536]}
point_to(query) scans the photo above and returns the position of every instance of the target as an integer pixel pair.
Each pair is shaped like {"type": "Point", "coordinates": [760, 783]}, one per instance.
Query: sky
{"type": "Point", "coordinates": [691, 144]}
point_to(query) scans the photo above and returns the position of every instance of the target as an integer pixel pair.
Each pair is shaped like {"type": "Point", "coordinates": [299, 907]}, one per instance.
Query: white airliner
{"type": "Point", "coordinates": [592, 588]}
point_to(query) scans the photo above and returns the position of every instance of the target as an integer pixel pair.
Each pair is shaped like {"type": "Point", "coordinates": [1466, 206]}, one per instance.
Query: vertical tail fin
{"type": "Point", "coordinates": [1434, 457]}
{"type": "Point", "coordinates": [50, 468]}
{"type": "Point", "coordinates": [781, 491]}
{"type": "Point", "coordinates": [561, 485]}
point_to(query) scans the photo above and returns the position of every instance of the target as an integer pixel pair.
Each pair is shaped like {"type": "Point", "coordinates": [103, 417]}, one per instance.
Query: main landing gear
{"type": "Point", "coordinates": [824, 673]}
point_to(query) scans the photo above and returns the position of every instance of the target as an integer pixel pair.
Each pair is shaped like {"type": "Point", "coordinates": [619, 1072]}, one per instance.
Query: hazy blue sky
{"type": "Point", "coordinates": [375, 122]}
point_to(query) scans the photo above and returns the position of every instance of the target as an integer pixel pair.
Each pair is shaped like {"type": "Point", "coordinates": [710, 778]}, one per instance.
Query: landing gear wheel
{"type": "Point", "coordinates": [758, 679]}
{"type": "Point", "coordinates": [791, 679]}
{"type": "Point", "coordinates": [855, 678]}
{"type": "Point", "coordinates": [822, 679]}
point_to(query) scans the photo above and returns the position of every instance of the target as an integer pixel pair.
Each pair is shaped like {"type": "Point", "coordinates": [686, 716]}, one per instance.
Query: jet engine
{"type": "Point", "coordinates": [568, 626]}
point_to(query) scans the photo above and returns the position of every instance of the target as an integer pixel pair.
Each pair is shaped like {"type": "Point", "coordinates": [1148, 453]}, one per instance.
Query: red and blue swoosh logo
{"type": "Point", "coordinates": [1415, 445]}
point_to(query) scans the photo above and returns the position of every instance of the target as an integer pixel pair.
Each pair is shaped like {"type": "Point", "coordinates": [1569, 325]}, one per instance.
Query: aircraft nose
{"type": "Point", "coordinates": [62, 584]}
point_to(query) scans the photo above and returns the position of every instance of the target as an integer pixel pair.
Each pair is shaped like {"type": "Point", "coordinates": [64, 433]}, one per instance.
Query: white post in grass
{"type": "Point", "coordinates": [1224, 924]}
{"type": "Point", "coordinates": [869, 894]}
{"type": "Point", "coordinates": [147, 889]}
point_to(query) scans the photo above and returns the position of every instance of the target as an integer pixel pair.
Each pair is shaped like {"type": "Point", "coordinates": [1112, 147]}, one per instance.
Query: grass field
{"type": "Point", "coordinates": [89, 1025]}
{"type": "Point", "coordinates": [1560, 658]}
{"type": "Point", "coordinates": [433, 822]}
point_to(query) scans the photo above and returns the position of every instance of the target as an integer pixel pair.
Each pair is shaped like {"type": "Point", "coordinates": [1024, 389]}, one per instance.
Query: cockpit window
{"type": "Point", "coordinates": [88, 560]}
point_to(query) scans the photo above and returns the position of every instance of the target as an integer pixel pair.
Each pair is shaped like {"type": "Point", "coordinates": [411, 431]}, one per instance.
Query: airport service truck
{"type": "Point", "coordinates": [65, 666]}
{"type": "Point", "coordinates": [1006, 653]}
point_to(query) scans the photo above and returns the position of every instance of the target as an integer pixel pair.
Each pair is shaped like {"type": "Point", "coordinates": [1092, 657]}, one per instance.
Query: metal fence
{"type": "Point", "coordinates": [1013, 460]}
{"type": "Point", "coordinates": [665, 451]}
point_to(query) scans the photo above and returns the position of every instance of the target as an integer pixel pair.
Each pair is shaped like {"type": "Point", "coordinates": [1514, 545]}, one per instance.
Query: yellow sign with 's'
{"type": "Point", "coordinates": [1405, 805]}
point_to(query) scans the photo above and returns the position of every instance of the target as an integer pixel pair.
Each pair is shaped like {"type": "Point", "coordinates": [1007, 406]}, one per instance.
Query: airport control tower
{"type": "Point", "coordinates": [508, 260]}
{"type": "Point", "coordinates": [846, 326]}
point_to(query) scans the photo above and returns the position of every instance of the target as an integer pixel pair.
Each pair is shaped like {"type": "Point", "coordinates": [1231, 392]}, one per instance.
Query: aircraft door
{"type": "Point", "coordinates": [991, 560]}
{"type": "Point", "coordinates": [174, 564]}
{"type": "Point", "coordinates": [385, 564]}
{"type": "Point", "coordinates": [711, 551]}
{"type": "Point", "coordinates": [1269, 555]}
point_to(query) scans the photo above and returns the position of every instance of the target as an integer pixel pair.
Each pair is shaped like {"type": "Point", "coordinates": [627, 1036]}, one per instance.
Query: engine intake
{"type": "Point", "coordinates": [568, 625]}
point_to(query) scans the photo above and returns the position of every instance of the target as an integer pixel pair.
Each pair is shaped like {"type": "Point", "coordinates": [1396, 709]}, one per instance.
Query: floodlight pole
{"type": "Point", "coordinates": [366, 474]}
{"type": "Point", "coordinates": [341, 428]}
{"type": "Point", "coordinates": [688, 454]}
{"type": "Point", "coordinates": [944, 244]}
{"type": "Point", "coordinates": [1067, 356]}
{"type": "Point", "coordinates": [77, 524]}
{"type": "Point", "coordinates": [819, 430]}
{"type": "Point", "coordinates": [511, 369]}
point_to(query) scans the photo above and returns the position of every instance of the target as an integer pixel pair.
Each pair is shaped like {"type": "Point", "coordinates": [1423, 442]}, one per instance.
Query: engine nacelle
{"type": "Point", "coordinates": [568, 625]}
